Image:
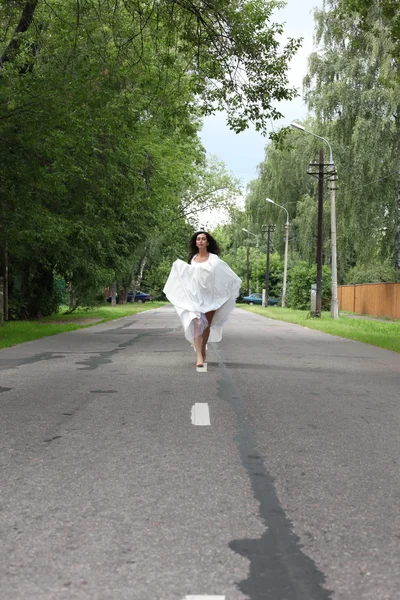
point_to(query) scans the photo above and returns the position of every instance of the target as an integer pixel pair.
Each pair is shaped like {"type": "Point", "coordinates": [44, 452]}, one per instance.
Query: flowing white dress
{"type": "Point", "coordinates": [197, 288]}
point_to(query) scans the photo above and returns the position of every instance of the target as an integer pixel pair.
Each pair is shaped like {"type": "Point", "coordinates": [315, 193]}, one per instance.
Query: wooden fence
{"type": "Point", "coordinates": [375, 299]}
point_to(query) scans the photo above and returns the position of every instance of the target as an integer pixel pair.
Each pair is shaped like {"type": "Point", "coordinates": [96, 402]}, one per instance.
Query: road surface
{"type": "Point", "coordinates": [128, 475]}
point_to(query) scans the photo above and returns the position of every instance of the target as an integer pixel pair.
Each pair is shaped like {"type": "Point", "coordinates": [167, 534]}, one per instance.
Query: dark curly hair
{"type": "Point", "coordinates": [212, 245]}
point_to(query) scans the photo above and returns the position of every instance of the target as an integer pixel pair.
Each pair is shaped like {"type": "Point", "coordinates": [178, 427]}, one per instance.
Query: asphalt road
{"type": "Point", "coordinates": [115, 487]}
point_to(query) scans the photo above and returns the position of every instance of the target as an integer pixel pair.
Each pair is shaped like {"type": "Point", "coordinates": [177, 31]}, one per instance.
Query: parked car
{"type": "Point", "coordinates": [257, 299]}
{"type": "Point", "coordinates": [139, 297]}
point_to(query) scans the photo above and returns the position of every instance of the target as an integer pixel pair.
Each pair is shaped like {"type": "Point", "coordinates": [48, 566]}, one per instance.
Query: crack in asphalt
{"type": "Point", "coordinates": [102, 358]}
{"type": "Point", "coordinates": [13, 363]}
{"type": "Point", "coordinates": [94, 361]}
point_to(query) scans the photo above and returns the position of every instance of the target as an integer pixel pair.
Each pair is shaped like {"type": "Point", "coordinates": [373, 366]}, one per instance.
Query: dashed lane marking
{"type": "Point", "coordinates": [200, 416]}
{"type": "Point", "coordinates": [204, 598]}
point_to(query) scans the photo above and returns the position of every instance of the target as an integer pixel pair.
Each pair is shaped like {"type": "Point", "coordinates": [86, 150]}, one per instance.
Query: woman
{"type": "Point", "coordinates": [204, 292]}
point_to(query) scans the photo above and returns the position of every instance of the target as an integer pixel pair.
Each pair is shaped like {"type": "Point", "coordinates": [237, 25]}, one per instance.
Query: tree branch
{"type": "Point", "coordinates": [23, 25]}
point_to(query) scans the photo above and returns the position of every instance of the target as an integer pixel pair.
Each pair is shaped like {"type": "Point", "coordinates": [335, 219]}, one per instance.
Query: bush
{"type": "Point", "coordinates": [301, 277]}
{"type": "Point", "coordinates": [373, 273]}
{"type": "Point", "coordinates": [34, 292]}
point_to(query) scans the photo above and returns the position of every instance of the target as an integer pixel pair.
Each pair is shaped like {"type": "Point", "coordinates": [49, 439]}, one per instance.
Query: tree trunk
{"type": "Point", "coordinates": [24, 23]}
{"type": "Point", "coordinates": [4, 277]}
{"type": "Point", "coordinates": [70, 294]}
{"type": "Point", "coordinates": [114, 293]}
{"type": "Point", "coordinates": [136, 283]}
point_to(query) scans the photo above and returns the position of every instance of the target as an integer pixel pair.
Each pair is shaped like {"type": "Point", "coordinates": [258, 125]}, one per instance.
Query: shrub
{"type": "Point", "coordinates": [301, 277]}
{"type": "Point", "coordinates": [373, 273]}
{"type": "Point", "coordinates": [34, 292]}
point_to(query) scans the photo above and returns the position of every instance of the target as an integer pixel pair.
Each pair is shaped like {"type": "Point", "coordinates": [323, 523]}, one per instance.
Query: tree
{"type": "Point", "coordinates": [353, 87]}
{"type": "Point", "coordinates": [366, 11]}
{"type": "Point", "coordinates": [283, 178]}
{"type": "Point", "coordinates": [99, 112]}
{"type": "Point", "coordinates": [211, 187]}
{"type": "Point", "coordinates": [230, 48]}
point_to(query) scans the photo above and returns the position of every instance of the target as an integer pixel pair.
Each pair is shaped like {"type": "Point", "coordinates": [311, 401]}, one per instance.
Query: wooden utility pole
{"type": "Point", "coordinates": [270, 229]}
{"type": "Point", "coordinates": [320, 174]}
{"type": "Point", "coordinates": [318, 306]}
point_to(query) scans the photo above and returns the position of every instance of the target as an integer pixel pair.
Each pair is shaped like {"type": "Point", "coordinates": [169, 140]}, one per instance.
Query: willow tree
{"type": "Point", "coordinates": [365, 11]}
{"type": "Point", "coordinates": [353, 88]}
{"type": "Point", "coordinates": [282, 177]}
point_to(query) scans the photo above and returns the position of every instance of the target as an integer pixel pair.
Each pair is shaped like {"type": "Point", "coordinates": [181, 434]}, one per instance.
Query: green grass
{"type": "Point", "coordinates": [385, 334]}
{"type": "Point", "coordinates": [17, 332]}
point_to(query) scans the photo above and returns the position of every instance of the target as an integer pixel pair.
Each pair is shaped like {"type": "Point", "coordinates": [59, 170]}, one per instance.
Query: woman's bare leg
{"type": "Point", "coordinates": [206, 333]}
{"type": "Point", "coordinates": [198, 342]}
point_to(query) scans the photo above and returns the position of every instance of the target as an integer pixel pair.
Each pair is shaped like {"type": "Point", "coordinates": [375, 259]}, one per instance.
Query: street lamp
{"type": "Point", "coordinates": [334, 302]}
{"type": "Point", "coordinates": [256, 236]}
{"type": "Point", "coordinates": [286, 250]}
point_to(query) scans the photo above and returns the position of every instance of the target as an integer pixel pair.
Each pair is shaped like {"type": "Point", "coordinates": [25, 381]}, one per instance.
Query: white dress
{"type": "Point", "coordinates": [197, 288]}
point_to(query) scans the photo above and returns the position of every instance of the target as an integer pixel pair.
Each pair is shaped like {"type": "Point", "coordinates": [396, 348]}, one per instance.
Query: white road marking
{"type": "Point", "coordinates": [200, 416]}
{"type": "Point", "coordinates": [204, 598]}
{"type": "Point", "coordinates": [202, 369]}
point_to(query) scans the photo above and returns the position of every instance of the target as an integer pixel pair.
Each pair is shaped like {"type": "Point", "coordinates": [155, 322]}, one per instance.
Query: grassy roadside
{"type": "Point", "coordinates": [17, 332]}
{"type": "Point", "coordinates": [384, 334]}
{"type": "Point", "coordinates": [377, 333]}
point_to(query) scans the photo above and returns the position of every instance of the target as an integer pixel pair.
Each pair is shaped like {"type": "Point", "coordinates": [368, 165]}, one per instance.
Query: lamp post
{"type": "Point", "coordinates": [334, 301]}
{"type": "Point", "coordinates": [286, 249]}
{"type": "Point", "coordinates": [256, 236]}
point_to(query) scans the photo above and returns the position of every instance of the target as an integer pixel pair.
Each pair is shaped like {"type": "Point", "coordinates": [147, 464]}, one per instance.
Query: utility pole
{"type": "Point", "coordinates": [332, 179]}
{"type": "Point", "coordinates": [256, 269]}
{"type": "Point", "coordinates": [270, 228]}
{"type": "Point", "coordinates": [318, 306]}
{"type": "Point", "coordinates": [320, 173]}
{"type": "Point", "coordinates": [332, 188]}
{"type": "Point", "coordinates": [286, 248]}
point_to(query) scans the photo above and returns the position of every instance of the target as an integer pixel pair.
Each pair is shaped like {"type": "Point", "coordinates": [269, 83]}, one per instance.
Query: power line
{"type": "Point", "coordinates": [372, 182]}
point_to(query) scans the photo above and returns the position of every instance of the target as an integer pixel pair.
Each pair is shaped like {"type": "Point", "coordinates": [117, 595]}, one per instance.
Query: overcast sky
{"type": "Point", "coordinates": [243, 152]}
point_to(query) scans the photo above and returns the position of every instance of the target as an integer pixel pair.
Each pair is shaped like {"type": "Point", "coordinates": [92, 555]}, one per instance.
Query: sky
{"type": "Point", "coordinates": [242, 152]}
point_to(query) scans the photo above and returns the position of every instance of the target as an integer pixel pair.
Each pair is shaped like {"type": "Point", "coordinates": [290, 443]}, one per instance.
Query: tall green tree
{"type": "Point", "coordinates": [353, 87]}
{"type": "Point", "coordinates": [282, 177]}
{"type": "Point", "coordinates": [365, 11]}
{"type": "Point", "coordinates": [97, 102]}
{"type": "Point", "coordinates": [353, 94]}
